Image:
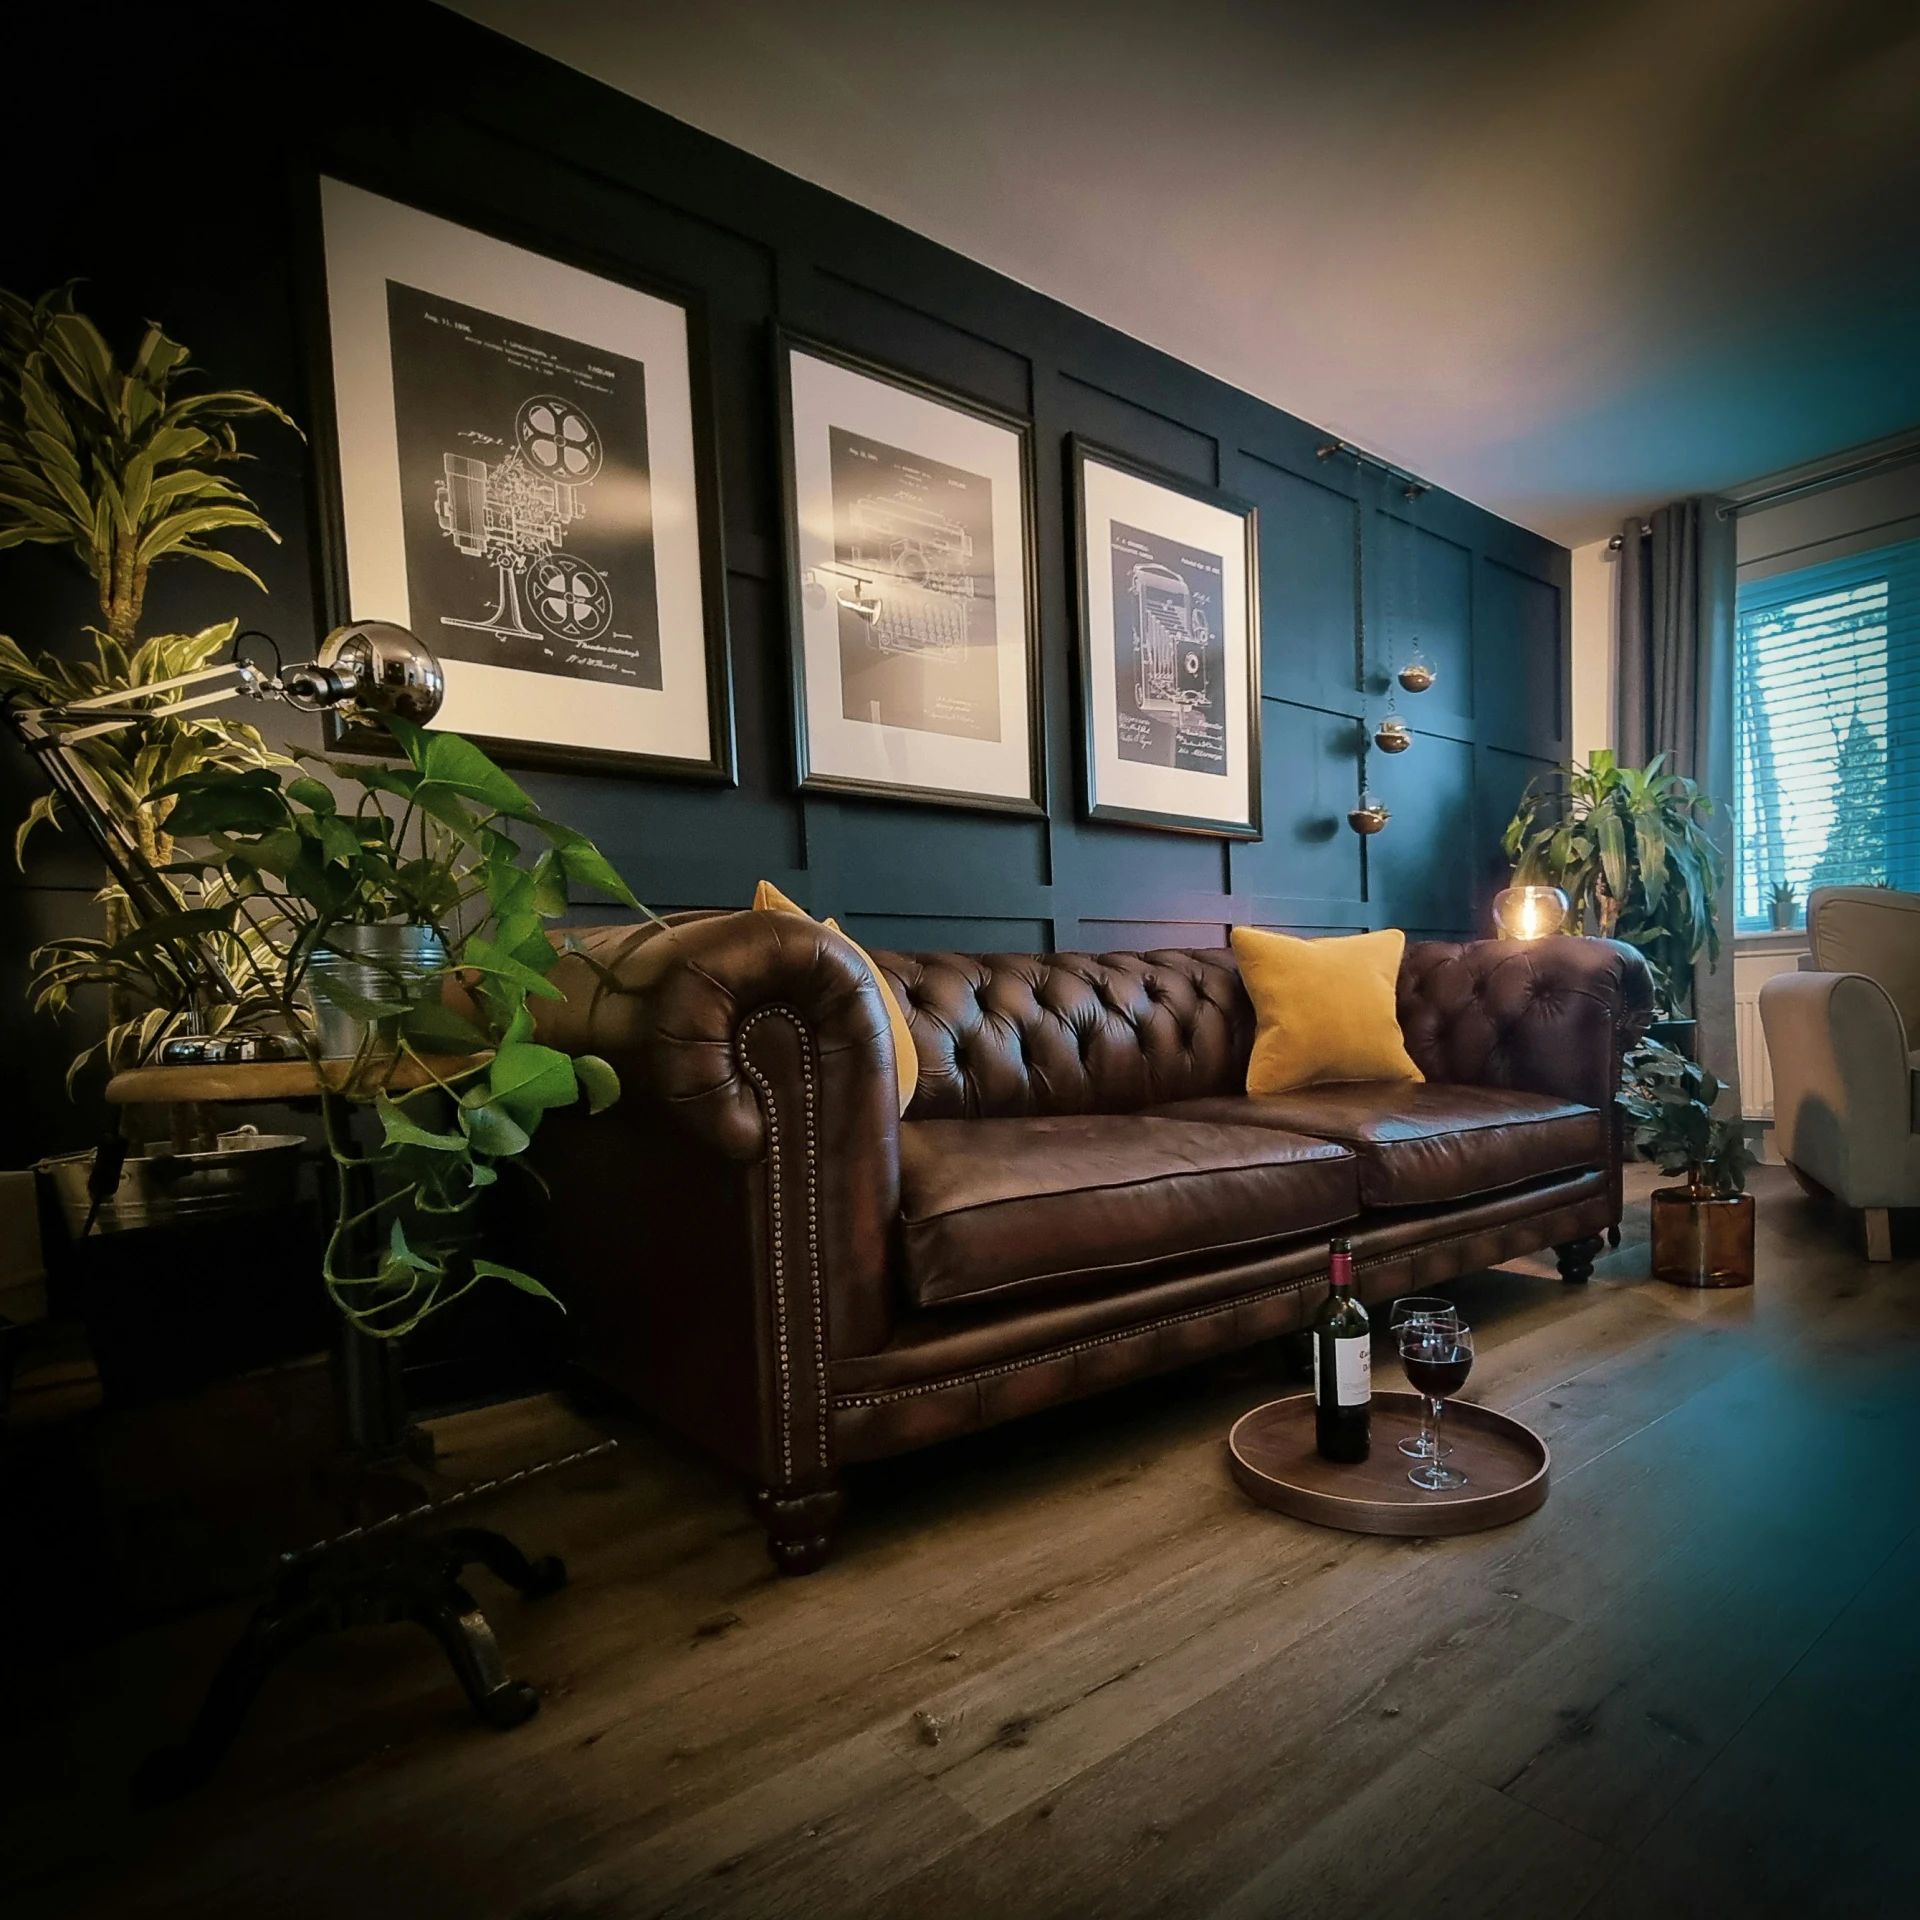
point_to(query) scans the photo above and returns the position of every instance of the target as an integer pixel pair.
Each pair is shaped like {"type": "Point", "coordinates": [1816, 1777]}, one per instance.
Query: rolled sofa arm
{"type": "Point", "coordinates": [1842, 1086]}
{"type": "Point", "coordinates": [1544, 1016]}
{"type": "Point", "coordinates": [722, 1233]}
{"type": "Point", "coordinates": [675, 1007]}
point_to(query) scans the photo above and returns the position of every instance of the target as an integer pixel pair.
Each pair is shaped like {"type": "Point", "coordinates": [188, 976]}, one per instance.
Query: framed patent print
{"type": "Point", "coordinates": [1169, 616]}
{"type": "Point", "coordinates": [910, 587]}
{"type": "Point", "coordinates": [523, 480]}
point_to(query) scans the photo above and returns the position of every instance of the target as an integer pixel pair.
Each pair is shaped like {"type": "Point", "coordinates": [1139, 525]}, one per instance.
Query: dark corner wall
{"type": "Point", "coordinates": [185, 203]}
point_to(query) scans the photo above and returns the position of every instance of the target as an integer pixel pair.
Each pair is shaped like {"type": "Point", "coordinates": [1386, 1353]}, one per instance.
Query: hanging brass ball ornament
{"type": "Point", "coordinates": [1393, 735]}
{"type": "Point", "coordinates": [1369, 816]}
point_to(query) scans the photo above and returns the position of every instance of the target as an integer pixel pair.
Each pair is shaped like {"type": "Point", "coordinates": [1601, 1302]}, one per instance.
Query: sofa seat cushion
{"type": "Point", "coordinates": [1421, 1145]}
{"type": "Point", "coordinates": [1001, 1209]}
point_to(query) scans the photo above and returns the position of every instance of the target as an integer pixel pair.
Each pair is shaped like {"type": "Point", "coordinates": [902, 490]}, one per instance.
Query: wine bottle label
{"type": "Point", "coordinates": [1352, 1373]}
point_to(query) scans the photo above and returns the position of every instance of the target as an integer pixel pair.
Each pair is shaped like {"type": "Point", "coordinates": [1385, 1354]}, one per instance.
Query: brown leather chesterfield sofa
{"type": "Point", "coordinates": [760, 1252]}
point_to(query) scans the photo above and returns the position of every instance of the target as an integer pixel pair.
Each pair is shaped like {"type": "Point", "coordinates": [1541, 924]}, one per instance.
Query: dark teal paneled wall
{"type": "Point", "coordinates": [412, 101]}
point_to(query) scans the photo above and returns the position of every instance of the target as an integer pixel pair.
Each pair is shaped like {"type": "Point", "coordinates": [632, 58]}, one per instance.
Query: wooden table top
{"type": "Point", "coordinates": [259, 1081]}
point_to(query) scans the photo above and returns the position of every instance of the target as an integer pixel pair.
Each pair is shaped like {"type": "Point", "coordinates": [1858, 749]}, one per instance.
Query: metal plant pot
{"type": "Point", "coordinates": [198, 1266]}
{"type": "Point", "coordinates": [247, 1172]}
{"type": "Point", "coordinates": [1702, 1240]}
{"type": "Point", "coordinates": [383, 965]}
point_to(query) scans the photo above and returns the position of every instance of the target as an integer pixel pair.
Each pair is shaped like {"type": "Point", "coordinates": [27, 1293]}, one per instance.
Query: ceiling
{"type": "Point", "coordinates": [1567, 261]}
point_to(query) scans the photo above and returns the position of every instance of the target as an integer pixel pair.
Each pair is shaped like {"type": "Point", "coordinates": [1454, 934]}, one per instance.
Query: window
{"type": "Point", "coordinates": [1827, 686]}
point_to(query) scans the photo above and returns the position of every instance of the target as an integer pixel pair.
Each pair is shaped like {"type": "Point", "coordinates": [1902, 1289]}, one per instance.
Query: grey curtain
{"type": "Point", "coordinates": [1674, 622]}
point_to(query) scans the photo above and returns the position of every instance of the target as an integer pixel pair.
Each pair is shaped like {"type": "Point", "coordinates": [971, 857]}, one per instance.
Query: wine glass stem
{"type": "Point", "coordinates": [1436, 1407]}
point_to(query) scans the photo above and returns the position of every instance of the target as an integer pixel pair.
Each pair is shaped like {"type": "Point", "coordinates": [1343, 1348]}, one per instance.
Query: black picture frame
{"type": "Point", "coordinates": [807, 777]}
{"type": "Point", "coordinates": [1080, 452]}
{"type": "Point", "coordinates": [720, 766]}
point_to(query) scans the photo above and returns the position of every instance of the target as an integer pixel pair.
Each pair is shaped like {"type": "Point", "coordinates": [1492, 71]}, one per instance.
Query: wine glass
{"type": "Point", "coordinates": [1438, 1356]}
{"type": "Point", "coordinates": [1416, 1307]}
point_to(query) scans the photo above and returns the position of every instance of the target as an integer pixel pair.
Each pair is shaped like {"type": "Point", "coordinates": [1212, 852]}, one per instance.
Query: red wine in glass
{"type": "Point", "coordinates": [1438, 1356]}
{"type": "Point", "coordinates": [1439, 1372]}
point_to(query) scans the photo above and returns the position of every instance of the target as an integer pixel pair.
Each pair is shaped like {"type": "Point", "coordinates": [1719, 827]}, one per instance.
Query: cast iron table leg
{"type": "Point", "coordinates": [356, 1582]}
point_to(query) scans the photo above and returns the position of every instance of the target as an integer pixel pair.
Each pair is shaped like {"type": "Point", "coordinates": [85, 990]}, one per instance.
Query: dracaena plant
{"type": "Point", "coordinates": [124, 467]}
{"type": "Point", "coordinates": [1630, 849]}
{"type": "Point", "coordinates": [114, 462]}
{"type": "Point", "coordinates": [1668, 1100]}
{"type": "Point", "coordinates": [448, 841]}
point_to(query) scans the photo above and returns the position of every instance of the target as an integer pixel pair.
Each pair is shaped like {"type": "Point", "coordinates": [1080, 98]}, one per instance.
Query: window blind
{"type": "Point", "coordinates": [1827, 693]}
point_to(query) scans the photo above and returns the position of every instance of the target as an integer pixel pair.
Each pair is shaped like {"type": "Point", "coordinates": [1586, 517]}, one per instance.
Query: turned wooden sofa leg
{"type": "Point", "coordinates": [1577, 1257]}
{"type": "Point", "coordinates": [1879, 1228]}
{"type": "Point", "coordinates": [800, 1524]}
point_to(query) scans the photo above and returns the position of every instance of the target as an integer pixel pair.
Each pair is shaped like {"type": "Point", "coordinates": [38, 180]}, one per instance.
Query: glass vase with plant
{"type": "Point", "coordinates": [1784, 906]}
{"type": "Point", "coordinates": [1629, 847]}
{"type": "Point", "coordinates": [1702, 1231]}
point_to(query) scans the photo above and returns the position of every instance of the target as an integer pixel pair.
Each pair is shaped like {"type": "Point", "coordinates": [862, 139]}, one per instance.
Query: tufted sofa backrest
{"type": "Point", "coordinates": [1003, 1035]}
{"type": "Point", "coordinates": [1009, 1034]}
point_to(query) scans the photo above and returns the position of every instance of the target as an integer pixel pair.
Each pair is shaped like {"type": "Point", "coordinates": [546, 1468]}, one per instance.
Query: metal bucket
{"type": "Point", "coordinates": [381, 964]}
{"type": "Point", "coordinates": [248, 1171]}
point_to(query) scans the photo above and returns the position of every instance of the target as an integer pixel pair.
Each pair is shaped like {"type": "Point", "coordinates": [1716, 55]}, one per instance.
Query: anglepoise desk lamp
{"type": "Point", "coordinates": [382, 1568]}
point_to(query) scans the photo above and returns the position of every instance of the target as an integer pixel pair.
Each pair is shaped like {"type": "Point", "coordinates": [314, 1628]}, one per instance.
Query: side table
{"type": "Point", "coordinates": [380, 1567]}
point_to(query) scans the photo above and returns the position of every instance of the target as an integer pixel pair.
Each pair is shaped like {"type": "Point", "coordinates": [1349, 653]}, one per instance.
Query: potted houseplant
{"type": "Point", "coordinates": [446, 858]}
{"type": "Point", "coordinates": [1629, 848]}
{"type": "Point", "coordinates": [1702, 1231]}
{"type": "Point", "coordinates": [123, 466]}
{"type": "Point", "coordinates": [1784, 906]}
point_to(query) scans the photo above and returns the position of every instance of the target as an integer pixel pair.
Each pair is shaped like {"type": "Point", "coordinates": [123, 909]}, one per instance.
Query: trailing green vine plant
{"type": "Point", "coordinates": [446, 841]}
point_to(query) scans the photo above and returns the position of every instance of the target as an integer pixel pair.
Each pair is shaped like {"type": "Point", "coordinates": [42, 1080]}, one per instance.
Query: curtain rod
{"type": "Point", "coordinates": [1410, 484]}
{"type": "Point", "coordinates": [1838, 476]}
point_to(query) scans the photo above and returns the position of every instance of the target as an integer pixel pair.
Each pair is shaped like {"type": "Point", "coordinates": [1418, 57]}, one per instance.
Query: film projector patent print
{"type": "Point", "coordinates": [518, 485]}
{"type": "Point", "coordinates": [909, 587]}
{"type": "Point", "coordinates": [523, 488]}
{"type": "Point", "coordinates": [1168, 602]}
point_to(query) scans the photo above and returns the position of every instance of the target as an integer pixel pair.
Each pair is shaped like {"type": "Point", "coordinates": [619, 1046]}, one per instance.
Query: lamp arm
{"type": "Point", "coordinates": [147, 893]}
{"type": "Point", "coordinates": [368, 668]}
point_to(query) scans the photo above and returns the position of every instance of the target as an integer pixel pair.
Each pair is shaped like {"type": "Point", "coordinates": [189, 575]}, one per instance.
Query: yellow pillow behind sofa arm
{"type": "Point", "coordinates": [767, 898]}
{"type": "Point", "coordinates": [1324, 1010]}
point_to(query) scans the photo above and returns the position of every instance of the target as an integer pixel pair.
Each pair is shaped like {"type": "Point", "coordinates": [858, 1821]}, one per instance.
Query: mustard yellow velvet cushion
{"type": "Point", "coordinates": [767, 898]}
{"type": "Point", "coordinates": [1324, 1009]}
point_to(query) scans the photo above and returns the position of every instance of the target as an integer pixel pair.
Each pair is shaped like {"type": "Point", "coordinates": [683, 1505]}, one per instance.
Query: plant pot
{"type": "Point", "coordinates": [1702, 1241]}
{"type": "Point", "coordinates": [1783, 915]}
{"type": "Point", "coordinates": [368, 965]}
{"type": "Point", "coordinates": [248, 1172]}
{"type": "Point", "coordinates": [1677, 1033]}
{"type": "Point", "coordinates": [187, 1278]}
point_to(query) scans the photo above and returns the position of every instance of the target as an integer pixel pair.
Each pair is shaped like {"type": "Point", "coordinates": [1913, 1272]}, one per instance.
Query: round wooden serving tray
{"type": "Point", "coordinates": [1274, 1459]}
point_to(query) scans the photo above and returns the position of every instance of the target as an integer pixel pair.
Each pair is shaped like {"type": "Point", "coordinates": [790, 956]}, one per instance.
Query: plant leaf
{"type": "Point", "coordinates": [527, 1078]}
{"type": "Point", "coordinates": [493, 1270]}
{"type": "Point", "coordinates": [598, 1080]}
{"type": "Point", "coordinates": [398, 1130]}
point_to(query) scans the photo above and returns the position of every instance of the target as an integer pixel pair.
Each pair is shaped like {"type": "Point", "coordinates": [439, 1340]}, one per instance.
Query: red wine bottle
{"type": "Point", "coordinates": [1342, 1366]}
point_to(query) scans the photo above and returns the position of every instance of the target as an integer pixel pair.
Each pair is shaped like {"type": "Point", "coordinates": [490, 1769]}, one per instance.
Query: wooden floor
{"type": "Point", "coordinates": [1067, 1669]}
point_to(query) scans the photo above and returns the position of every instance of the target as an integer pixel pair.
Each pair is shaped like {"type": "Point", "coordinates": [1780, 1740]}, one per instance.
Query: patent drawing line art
{"type": "Point", "coordinates": [1170, 652]}
{"type": "Point", "coordinates": [912, 582]}
{"type": "Point", "coordinates": [525, 493]}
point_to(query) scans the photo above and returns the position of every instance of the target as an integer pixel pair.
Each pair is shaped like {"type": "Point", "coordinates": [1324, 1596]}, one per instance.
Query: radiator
{"type": "Point", "coordinates": [1756, 1070]}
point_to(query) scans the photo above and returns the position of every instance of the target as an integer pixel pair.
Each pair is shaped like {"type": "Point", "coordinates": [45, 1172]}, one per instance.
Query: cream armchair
{"type": "Point", "coordinates": [1840, 1033]}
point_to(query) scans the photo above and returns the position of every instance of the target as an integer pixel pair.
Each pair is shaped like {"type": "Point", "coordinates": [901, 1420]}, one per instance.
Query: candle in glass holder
{"type": "Point", "coordinates": [1529, 913]}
